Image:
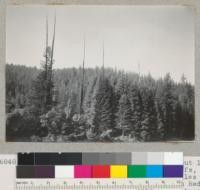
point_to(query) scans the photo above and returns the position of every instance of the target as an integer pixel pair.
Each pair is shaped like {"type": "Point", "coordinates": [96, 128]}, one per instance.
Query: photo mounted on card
{"type": "Point", "coordinates": [99, 73]}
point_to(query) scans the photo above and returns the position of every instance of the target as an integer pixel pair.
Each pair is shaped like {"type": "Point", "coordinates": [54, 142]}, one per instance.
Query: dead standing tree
{"type": "Point", "coordinates": [82, 81]}
{"type": "Point", "coordinates": [42, 89]}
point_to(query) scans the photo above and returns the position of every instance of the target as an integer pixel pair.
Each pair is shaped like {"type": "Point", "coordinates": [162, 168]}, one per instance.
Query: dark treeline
{"type": "Point", "coordinates": [110, 105]}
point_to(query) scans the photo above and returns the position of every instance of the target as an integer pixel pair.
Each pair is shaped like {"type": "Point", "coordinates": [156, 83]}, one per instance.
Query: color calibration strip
{"type": "Point", "coordinates": [135, 158]}
{"type": "Point", "coordinates": [101, 171]}
{"type": "Point", "coordinates": [100, 165]}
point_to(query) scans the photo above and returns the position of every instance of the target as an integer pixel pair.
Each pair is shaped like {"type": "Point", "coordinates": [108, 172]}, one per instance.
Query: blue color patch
{"type": "Point", "coordinates": [154, 171]}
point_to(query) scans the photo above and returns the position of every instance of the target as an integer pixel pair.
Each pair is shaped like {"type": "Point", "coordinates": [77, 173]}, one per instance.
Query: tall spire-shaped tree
{"type": "Point", "coordinates": [139, 74]}
{"type": "Point", "coordinates": [46, 56]}
{"type": "Point", "coordinates": [50, 84]}
{"type": "Point", "coordinates": [104, 115]}
{"type": "Point", "coordinates": [43, 85]}
{"type": "Point", "coordinates": [83, 80]}
{"type": "Point", "coordinates": [103, 57]}
{"type": "Point", "coordinates": [53, 42]}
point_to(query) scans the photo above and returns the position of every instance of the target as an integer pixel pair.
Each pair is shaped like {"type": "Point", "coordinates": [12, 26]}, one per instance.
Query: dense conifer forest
{"type": "Point", "coordinates": [95, 104]}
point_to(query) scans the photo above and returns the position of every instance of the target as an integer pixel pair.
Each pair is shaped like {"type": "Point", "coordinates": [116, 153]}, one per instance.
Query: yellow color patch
{"type": "Point", "coordinates": [118, 171]}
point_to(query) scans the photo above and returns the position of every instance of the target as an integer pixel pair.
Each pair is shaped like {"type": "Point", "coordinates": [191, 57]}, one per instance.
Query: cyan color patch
{"type": "Point", "coordinates": [154, 171]}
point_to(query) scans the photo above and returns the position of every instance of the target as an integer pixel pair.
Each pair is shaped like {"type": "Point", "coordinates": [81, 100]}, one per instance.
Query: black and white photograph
{"type": "Point", "coordinates": [91, 73]}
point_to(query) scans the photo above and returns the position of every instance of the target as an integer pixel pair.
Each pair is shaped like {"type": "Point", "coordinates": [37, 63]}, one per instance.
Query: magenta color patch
{"type": "Point", "coordinates": [81, 171]}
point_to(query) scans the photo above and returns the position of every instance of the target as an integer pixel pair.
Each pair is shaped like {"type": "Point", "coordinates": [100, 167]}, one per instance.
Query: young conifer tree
{"type": "Point", "coordinates": [104, 117]}
{"type": "Point", "coordinates": [124, 114]}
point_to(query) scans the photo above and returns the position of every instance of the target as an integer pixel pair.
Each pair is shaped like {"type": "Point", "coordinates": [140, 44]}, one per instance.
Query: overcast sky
{"type": "Point", "coordinates": [159, 38]}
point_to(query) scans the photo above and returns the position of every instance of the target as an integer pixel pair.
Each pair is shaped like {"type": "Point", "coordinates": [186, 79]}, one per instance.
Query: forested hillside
{"type": "Point", "coordinates": [110, 106]}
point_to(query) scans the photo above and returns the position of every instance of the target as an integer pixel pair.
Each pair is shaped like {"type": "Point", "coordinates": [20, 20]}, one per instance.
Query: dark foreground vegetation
{"type": "Point", "coordinates": [78, 104]}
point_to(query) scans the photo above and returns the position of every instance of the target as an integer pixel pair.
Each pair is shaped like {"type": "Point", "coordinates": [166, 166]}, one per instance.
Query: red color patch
{"type": "Point", "coordinates": [101, 171]}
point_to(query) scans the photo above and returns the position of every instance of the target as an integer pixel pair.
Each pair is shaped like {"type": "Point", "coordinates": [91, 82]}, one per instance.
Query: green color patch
{"type": "Point", "coordinates": [136, 171]}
